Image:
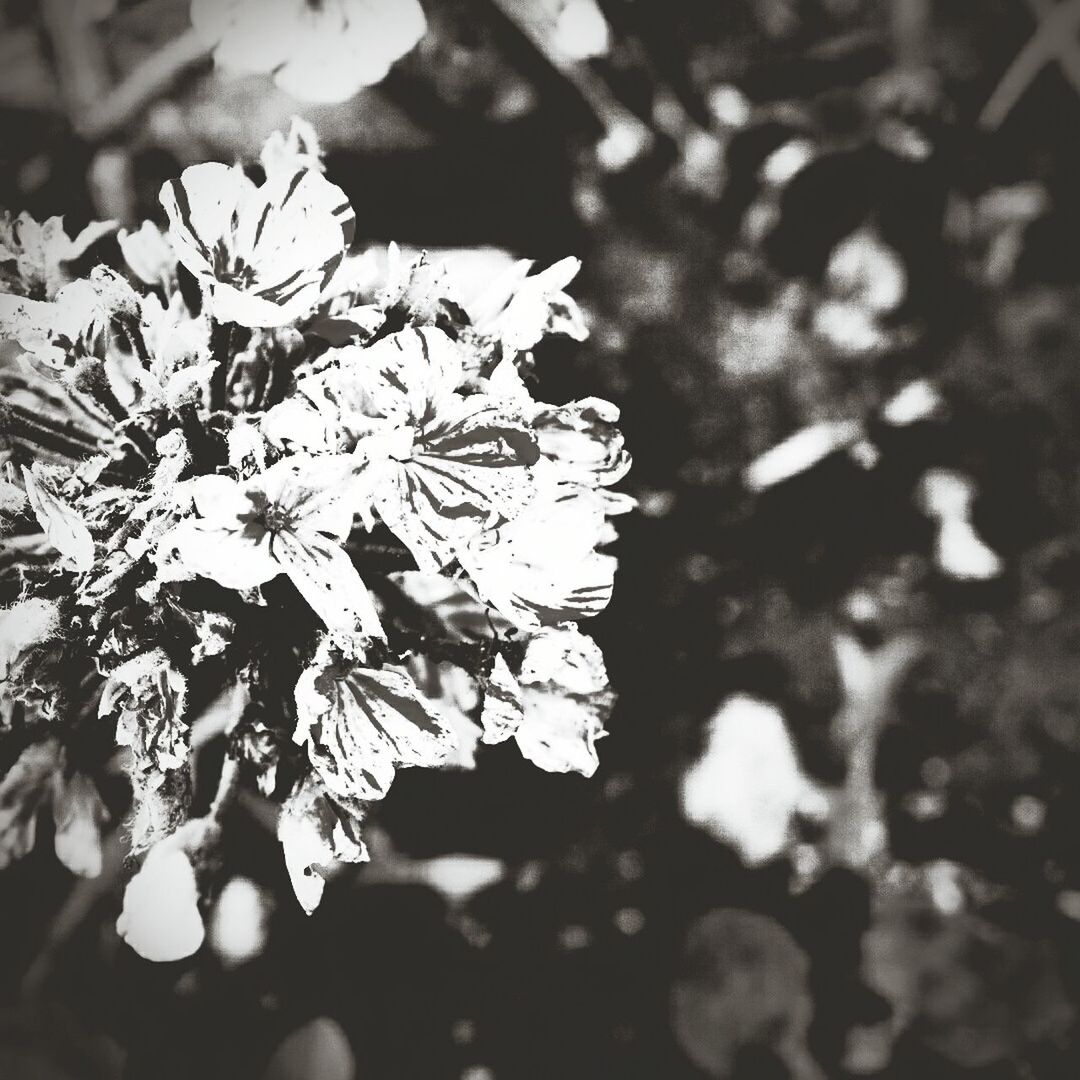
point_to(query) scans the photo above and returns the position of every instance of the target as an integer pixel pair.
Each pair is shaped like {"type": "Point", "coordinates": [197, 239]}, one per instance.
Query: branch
{"type": "Point", "coordinates": [1053, 40]}
{"type": "Point", "coordinates": [144, 84]}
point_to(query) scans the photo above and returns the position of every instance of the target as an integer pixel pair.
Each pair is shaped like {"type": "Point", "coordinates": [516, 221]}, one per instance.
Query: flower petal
{"type": "Point", "coordinates": [161, 919]}
{"type": "Point", "coordinates": [503, 711]}
{"type": "Point", "coordinates": [79, 814]}
{"type": "Point", "coordinates": [327, 579]}
{"type": "Point", "coordinates": [63, 525]}
{"type": "Point", "coordinates": [201, 206]}
{"type": "Point", "coordinates": [315, 831]}
{"type": "Point", "coordinates": [360, 724]}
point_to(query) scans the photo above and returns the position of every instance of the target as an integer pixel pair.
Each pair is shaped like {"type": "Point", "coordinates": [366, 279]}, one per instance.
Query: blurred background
{"type": "Point", "coordinates": [831, 263]}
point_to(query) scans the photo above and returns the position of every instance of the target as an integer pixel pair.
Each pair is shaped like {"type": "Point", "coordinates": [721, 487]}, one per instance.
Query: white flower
{"type": "Point", "coordinates": [454, 695]}
{"type": "Point", "coordinates": [34, 258]}
{"type": "Point", "coordinates": [70, 327]}
{"type": "Point", "coordinates": [264, 253]}
{"type": "Point", "coordinates": [564, 699]}
{"type": "Point", "coordinates": [322, 51]}
{"type": "Point", "coordinates": [361, 724]}
{"type": "Point", "coordinates": [317, 832]}
{"type": "Point", "coordinates": [543, 568]}
{"type": "Point", "coordinates": [290, 519]}
{"type": "Point", "coordinates": [451, 465]}
{"type": "Point", "coordinates": [299, 150]}
{"type": "Point", "coordinates": [747, 786]}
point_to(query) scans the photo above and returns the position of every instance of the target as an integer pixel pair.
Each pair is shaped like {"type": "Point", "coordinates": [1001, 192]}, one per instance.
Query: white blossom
{"type": "Point", "coordinates": [264, 253]}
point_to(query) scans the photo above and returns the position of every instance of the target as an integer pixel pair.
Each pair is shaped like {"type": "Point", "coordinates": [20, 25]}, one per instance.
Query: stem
{"type": "Point", "coordinates": [228, 784]}
{"type": "Point", "coordinates": [220, 345]}
{"type": "Point", "coordinates": [82, 70]}
{"type": "Point", "coordinates": [1053, 40]}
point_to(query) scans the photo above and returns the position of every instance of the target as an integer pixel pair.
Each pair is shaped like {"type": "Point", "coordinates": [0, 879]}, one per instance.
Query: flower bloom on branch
{"type": "Point", "coordinates": [263, 253]}
{"type": "Point", "coordinates": [318, 517]}
{"type": "Point", "coordinates": [325, 51]}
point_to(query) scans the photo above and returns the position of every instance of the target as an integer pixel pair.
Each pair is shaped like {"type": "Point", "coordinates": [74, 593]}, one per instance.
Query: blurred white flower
{"type": "Point", "coordinates": [160, 919]}
{"type": "Point", "coordinates": [38, 778]}
{"type": "Point", "coordinates": [239, 924]}
{"type": "Point", "coordinates": [458, 878]}
{"type": "Point", "coordinates": [919, 400]}
{"type": "Point", "coordinates": [264, 253]}
{"type": "Point", "coordinates": [325, 51]}
{"type": "Point", "coordinates": [865, 271]}
{"type": "Point", "coordinates": [959, 551]}
{"type": "Point", "coordinates": [568, 30]}
{"type": "Point", "coordinates": [748, 785]}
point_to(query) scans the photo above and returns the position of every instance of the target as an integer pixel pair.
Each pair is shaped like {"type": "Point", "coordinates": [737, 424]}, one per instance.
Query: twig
{"type": "Point", "coordinates": [1055, 39]}
{"type": "Point", "coordinates": [82, 899]}
{"type": "Point", "coordinates": [910, 27]}
{"type": "Point", "coordinates": [143, 85]}
{"type": "Point", "coordinates": [80, 59]}
{"type": "Point", "coordinates": [227, 786]}
{"type": "Point", "coordinates": [627, 136]}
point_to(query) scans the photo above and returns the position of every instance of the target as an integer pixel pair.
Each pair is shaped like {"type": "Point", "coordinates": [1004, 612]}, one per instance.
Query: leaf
{"type": "Point", "coordinates": [63, 525]}
{"type": "Point", "coordinates": [360, 724]}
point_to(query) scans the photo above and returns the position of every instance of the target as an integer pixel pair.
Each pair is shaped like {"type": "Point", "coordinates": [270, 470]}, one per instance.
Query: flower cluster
{"type": "Point", "coordinates": [259, 490]}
